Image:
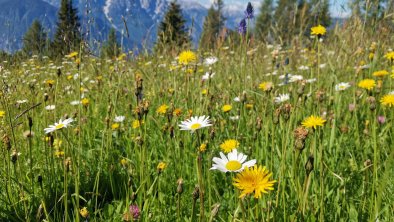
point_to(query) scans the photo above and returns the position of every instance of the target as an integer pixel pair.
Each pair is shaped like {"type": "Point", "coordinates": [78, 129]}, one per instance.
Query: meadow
{"type": "Point", "coordinates": [303, 132]}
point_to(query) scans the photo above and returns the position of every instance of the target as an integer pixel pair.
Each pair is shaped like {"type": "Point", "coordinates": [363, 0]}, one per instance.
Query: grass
{"type": "Point", "coordinates": [341, 171]}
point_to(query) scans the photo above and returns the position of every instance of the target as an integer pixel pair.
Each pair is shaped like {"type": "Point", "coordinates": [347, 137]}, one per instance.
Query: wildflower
{"type": "Point", "coordinates": [136, 124]}
{"type": "Point", "coordinates": [177, 112]}
{"type": "Point", "coordinates": [84, 212]}
{"type": "Point", "coordinates": [318, 31]}
{"type": "Point", "coordinates": [313, 122]}
{"type": "Point", "coordinates": [57, 143]}
{"type": "Point", "coordinates": [387, 100]}
{"type": "Point", "coordinates": [134, 211]}
{"type": "Point", "coordinates": [342, 86]}
{"type": "Point", "coordinates": [75, 102]}
{"type": "Point", "coordinates": [72, 54]}
{"type": "Point", "coordinates": [59, 153]}
{"type": "Point", "coordinates": [115, 126]}
{"type": "Point", "coordinates": [207, 75]}
{"type": "Point", "coordinates": [226, 108]}
{"type": "Point", "coordinates": [254, 180]}
{"type": "Point", "coordinates": [282, 98]}
{"type": "Point", "coordinates": [161, 166]}
{"type": "Point", "coordinates": [367, 84]}
{"type": "Point", "coordinates": [50, 107]}
{"type": "Point", "coordinates": [195, 122]}
{"type": "Point", "coordinates": [266, 86]}
{"type": "Point", "coordinates": [210, 60]}
{"type": "Point", "coordinates": [50, 82]}
{"type": "Point", "coordinates": [380, 73]}
{"type": "Point", "coordinates": [228, 145]}
{"type": "Point", "coordinates": [389, 56]}
{"type": "Point", "coordinates": [162, 109]}
{"type": "Point", "coordinates": [249, 11]}
{"type": "Point", "coordinates": [242, 27]}
{"type": "Point", "coordinates": [2, 113]}
{"type": "Point", "coordinates": [234, 162]}
{"type": "Point", "coordinates": [187, 57]}
{"type": "Point", "coordinates": [85, 101]}
{"type": "Point", "coordinates": [381, 119]}
{"type": "Point", "coordinates": [22, 101]}
{"type": "Point", "coordinates": [119, 119]}
{"type": "Point", "coordinates": [202, 148]}
{"type": "Point", "coordinates": [123, 162]}
{"type": "Point", "coordinates": [57, 126]}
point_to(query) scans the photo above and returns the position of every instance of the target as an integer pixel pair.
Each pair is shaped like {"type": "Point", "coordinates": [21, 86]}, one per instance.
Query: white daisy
{"type": "Point", "coordinates": [342, 86]}
{"type": "Point", "coordinates": [75, 102]}
{"type": "Point", "coordinates": [234, 162]}
{"type": "Point", "coordinates": [194, 123]}
{"type": "Point", "coordinates": [282, 98]}
{"type": "Point", "coordinates": [21, 101]}
{"type": "Point", "coordinates": [207, 76]}
{"type": "Point", "coordinates": [303, 68]}
{"type": "Point", "coordinates": [57, 126]}
{"type": "Point", "coordinates": [210, 60]}
{"type": "Point", "coordinates": [50, 107]}
{"type": "Point", "coordinates": [119, 119]}
{"type": "Point", "coordinates": [237, 99]}
{"type": "Point", "coordinates": [295, 78]}
{"type": "Point", "coordinates": [311, 80]}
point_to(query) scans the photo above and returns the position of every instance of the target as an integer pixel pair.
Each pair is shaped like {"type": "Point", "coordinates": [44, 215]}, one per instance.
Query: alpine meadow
{"type": "Point", "coordinates": [287, 116]}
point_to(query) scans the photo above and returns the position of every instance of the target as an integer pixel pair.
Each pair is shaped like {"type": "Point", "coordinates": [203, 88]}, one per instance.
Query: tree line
{"type": "Point", "coordinates": [278, 21]}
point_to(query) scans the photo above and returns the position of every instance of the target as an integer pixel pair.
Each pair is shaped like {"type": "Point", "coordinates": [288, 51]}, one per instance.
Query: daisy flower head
{"type": "Point", "coordinates": [342, 86]}
{"type": "Point", "coordinates": [187, 57]}
{"type": "Point", "coordinates": [233, 162]}
{"type": "Point", "coordinates": [282, 98]}
{"type": "Point", "coordinates": [313, 122]}
{"type": "Point", "coordinates": [119, 119]}
{"type": "Point", "coordinates": [60, 125]}
{"type": "Point", "coordinates": [210, 60]}
{"type": "Point", "coordinates": [195, 123]}
{"type": "Point", "coordinates": [254, 180]}
{"type": "Point", "coordinates": [367, 84]}
{"type": "Point", "coordinates": [229, 145]}
{"type": "Point", "coordinates": [387, 100]}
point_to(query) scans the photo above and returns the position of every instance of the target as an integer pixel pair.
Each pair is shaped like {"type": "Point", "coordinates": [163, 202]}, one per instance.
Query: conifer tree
{"type": "Point", "coordinates": [285, 14]}
{"type": "Point", "coordinates": [213, 24]}
{"type": "Point", "coordinates": [111, 48]}
{"type": "Point", "coordinates": [172, 31]}
{"type": "Point", "coordinates": [34, 40]}
{"type": "Point", "coordinates": [320, 13]}
{"type": "Point", "coordinates": [264, 20]}
{"type": "Point", "coordinates": [67, 36]}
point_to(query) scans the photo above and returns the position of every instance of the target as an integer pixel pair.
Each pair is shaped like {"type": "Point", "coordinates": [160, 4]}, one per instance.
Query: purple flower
{"type": "Point", "coordinates": [242, 27]}
{"type": "Point", "coordinates": [249, 11]}
{"type": "Point", "coordinates": [381, 119]}
{"type": "Point", "coordinates": [134, 211]}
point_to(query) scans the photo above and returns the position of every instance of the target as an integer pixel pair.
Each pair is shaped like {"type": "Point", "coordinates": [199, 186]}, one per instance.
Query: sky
{"type": "Point", "coordinates": [338, 8]}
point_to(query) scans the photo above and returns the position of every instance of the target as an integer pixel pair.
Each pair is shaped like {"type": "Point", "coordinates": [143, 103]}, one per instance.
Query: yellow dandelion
{"type": "Point", "coordinates": [72, 54]}
{"type": "Point", "coordinates": [367, 84]}
{"type": "Point", "coordinates": [123, 162]}
{"type": "Point", "coordinates": [202, 148]}
{"type": "Point", "coordinates": [254, 180]}
{"type": "Point", "coordinates": [57, 143]}
{"type": "Point", "coordinates": [371, 56]}
{"type": "Point", "coordinates": [85, 101]}
{"type": "Point", "coordinates": [187, 57]}
{"type": "Point", "coordinates": [204, 91]}
{"type": "Point", "coordinates": [226, 108]}
{"type": "Point", "coordinates": [249, 106]}
{"type": "Point", "coordinates": [2, 113]}
{"type": "Point", "coordinates": [69, 77]}
{"type": "Point", "coordinates": [59, 153]}
{"type": "Point", "coordinates": [115, 126]}
{"type": "Point", "coordinates": [162, 109]}
{"type": "Point", "coordinates": [50, 82]}
{"type": "Point", "coordinates": [161, 166]}
{"type": "Point", "coordinates": [380, 73]}
{"type": "Point", "coordinates": [389, 56]}
{"type": "Point", "coordinates": [177, 112]}
{"type": "Point", "coordinates": [313, 122]}
{"type": "Point", "coordinates": [318, 30]}
{"type": "Point", "coordinates": [387, 100]}
{"type": "Point", "coordinates": [136, 124]}
{"type": "Point", "coordinates": [266, 86]}
{"type": "Point", "coordinates": [228, 145]}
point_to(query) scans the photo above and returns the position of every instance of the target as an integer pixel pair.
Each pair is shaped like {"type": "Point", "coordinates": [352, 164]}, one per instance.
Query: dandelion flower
{"type": "Point", "coordinates": [162, 109]}
{"type": "Point", "coordinates": [389, 56]}
{"type": "Point", "coordinates": [57, 126]}
{"type": "Point", "coordinates": [282, 98]}
{"type": "Point", "coordinates": [367, 84]}
{"type": "Point", "coordinates": [226, 108]}
{"type": "Point", "coordinates": [136, 124]}
{"type": "Point", "coordinates": [187, 57]}
{"type": "Point", "coordinates": [234, 162]}
{"type": "Point", "coordinates": [313, 122]}
{"type": "Point", "coordinates": [161, 166]}
{"type": "Point", "coordinates": [85, 101]}
{"type": "Point", "coordinates": [342, 86]}
{"type": "Point", "coordinates": [72, 54]}
{"type": "Point", "coordinates": [84, 212]}
{"type": "Point", "coordinates": [387, 100]}
{"type": "Point", "coordinates": [380, 73]}
{"type": "Point", "coordinates": [266, 86]}
{"type": "Point", "coordinates": [228, 145]}
{"type": "Point", "coordinates": [254, 180]}
{"type": "Point", "coordinates": [318, 30]}
{"type": "Point", "coordinates": [195, 123]}
{"type": "Point", "coordinates": [115, 126]}
{"type": "Point", "coordinates": [2, 113]}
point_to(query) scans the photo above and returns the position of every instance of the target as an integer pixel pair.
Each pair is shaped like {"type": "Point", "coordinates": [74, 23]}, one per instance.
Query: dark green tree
{"type": "Point", "coordinates": [67, 36]}
{"type": "Point", "coordinates": [213, 24]}
{"type": "Point", "coordinates": [264, 20]}
{"type": "Point", "coordinates": [111, 47]}
{"type": "Point", "coordinates": [285, 20]}
{"type": "Point", "coordinates": [320, 13]}
{"type": "Point", "coordinates": [35, 40]}
{"type": "Point", "coordinates": [172, 31]}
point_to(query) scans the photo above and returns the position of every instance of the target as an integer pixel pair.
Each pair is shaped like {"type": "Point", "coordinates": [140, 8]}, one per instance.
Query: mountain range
{"type": "Point", "coordinates": [136, 21]}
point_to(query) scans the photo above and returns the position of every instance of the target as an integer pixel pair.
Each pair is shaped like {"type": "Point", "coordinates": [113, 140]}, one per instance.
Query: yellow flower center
{"type": "Point", "coordinates": [59, 126]}
{"type": "Point", "coordinates": [195, 126]}
{"type": "Point", "coordinates": [233, 165]}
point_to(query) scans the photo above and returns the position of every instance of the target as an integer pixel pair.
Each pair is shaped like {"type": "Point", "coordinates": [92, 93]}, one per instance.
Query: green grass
{"type": "Point", "coordinates": [352, 172]}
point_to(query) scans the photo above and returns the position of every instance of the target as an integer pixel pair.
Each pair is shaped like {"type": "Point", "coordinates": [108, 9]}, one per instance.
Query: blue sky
{"type": "Point", "coordinates": [338, 8]}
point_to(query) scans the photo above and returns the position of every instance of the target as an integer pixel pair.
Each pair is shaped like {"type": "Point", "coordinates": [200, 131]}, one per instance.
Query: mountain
{"type": "Point", "coordinates": [136, 21]}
